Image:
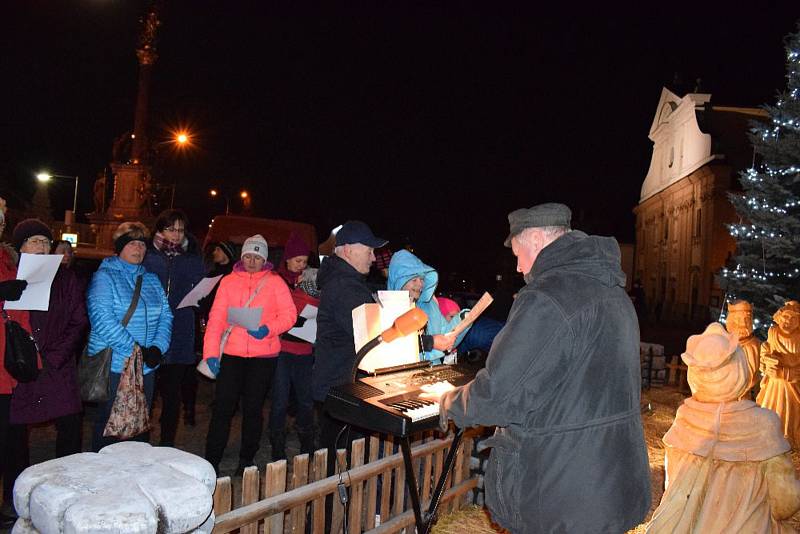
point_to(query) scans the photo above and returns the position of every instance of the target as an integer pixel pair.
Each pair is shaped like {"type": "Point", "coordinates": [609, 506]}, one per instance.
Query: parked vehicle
{"type": "Point", "coordinates": [237, 228]}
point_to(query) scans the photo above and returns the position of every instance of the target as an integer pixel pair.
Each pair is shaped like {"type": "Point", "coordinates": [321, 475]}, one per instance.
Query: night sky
{"type": "Point", "coordinates": [430, 121]}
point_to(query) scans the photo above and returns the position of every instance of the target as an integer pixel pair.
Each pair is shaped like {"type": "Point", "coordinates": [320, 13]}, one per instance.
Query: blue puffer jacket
{"type": "Point", "coordinates": [404, 267]}
{"type": "Point", "coordinates": [178, 275]}
{"type": "Point", "coordinates": [109, 296]}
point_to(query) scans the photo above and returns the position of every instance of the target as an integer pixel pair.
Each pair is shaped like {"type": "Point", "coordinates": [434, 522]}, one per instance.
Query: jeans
{"type": "Point", "coordinates": [247, 379]}
{"type": "Point", "coordinates": [104, 411]}
{"type": "Point", "coordinates": [292, 371]}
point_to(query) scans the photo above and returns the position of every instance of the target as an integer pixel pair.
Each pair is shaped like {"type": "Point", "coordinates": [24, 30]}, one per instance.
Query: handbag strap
{"type": "Point", "coordinates": [256, 290]}
{"type": "Point", "coordinates": [134, 301]}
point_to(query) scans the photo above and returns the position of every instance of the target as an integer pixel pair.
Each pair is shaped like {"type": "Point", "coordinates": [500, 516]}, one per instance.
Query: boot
{"type": "Point", "coordinates": [277, 439]}
{"type": "Point", "coordinates": [306, 441]}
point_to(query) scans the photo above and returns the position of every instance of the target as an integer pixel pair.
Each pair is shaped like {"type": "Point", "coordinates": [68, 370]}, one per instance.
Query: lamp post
{"type": "Point", "coordinates": [243, 194]}
{"type": "Point", "coordinates": [46, 177]}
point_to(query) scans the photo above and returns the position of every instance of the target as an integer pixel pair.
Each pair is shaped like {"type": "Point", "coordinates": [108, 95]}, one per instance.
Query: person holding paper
{"type": "Point", "coordinates": [111, 292]}
{"type": "Point", "coordinates": [295, 360]}
{"type": "Point", "coordinates": [13, 438]}
{"type": "Point", "coordinates": [243, 358]}
{"type": "Point", "coordinates": [173, 255]}
{"type": "Point", "coordinates": [54, 395]}
{"type": "Point", "coordinates": [561, 384]}
{"type": "Point", "coordinates": [407, 272]}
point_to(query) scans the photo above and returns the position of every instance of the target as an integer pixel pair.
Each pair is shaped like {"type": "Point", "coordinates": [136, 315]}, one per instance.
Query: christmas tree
{"type": "Point", "coordinates": [767, 265]}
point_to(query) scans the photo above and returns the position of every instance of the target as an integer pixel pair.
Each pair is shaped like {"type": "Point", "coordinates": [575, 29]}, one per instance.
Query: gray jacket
{"type": "Point", "coordinates": [562, 384]}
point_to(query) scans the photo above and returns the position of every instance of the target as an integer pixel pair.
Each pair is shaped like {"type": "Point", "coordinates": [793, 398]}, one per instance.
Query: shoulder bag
{"type": "Point", "coordinates": [22, 355]}
{"type": "Point", "coordinates": [93, 370]}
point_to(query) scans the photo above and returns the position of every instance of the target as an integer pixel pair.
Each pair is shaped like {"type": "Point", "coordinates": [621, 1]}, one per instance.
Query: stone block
{"type": "Point", "coordinates": [128, 487]}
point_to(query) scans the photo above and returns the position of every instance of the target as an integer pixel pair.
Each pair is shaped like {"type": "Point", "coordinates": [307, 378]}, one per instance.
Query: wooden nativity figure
{"type": "Point", "coordinates": [780, 365]}
{"type": "Point", "coordinates": [727, 463]}
{"type": "Point", "coordinates": [740, 322]}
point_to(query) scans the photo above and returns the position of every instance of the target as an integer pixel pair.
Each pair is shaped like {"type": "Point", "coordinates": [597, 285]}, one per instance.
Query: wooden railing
{"type": "Point", "coordinates": [284, 502]}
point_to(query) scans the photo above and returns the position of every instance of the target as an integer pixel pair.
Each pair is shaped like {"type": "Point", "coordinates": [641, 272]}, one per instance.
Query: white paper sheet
{"type": "Point", "coordinates": [38, 270]}
{"type": "Point", "coordinates": [202, 289]}
{"type": "Point", "coordinates": [247, 318]}
{"type": "Point", "coordinates": [307, 332]}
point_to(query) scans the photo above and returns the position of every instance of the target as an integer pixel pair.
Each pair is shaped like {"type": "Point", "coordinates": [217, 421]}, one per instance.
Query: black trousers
{"type": "Point", "coordinates": [14, 452]}
{"type": "Point", "coordinates": [68, 434]}
{"type": "Point", "coordinates": [247, 379]}
{"type": "Point", "coordinates": [170, 382]}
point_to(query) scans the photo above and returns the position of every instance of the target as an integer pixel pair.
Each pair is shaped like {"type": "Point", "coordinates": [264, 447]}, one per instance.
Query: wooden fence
{"type": "Point", "coordinates": [285, 501]}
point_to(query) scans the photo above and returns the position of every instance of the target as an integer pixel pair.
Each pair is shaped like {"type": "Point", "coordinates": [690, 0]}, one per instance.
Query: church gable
{"type": "Point", "coordinates": [679, 146]}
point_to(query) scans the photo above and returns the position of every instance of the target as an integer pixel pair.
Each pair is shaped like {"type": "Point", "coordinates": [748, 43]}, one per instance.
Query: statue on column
{"type": "Point", "coordinates": [100, 192]}
{"type": "Point", "coordinates": [729, 466]}
{"type": "Point", "coordinates": [740, 322]}
{"type": "Point", "coordinates": [780, 365]}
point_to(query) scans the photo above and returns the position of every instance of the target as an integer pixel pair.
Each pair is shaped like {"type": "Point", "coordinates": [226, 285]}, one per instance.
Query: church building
{"type": "Point", "coordinates": [682, 241]}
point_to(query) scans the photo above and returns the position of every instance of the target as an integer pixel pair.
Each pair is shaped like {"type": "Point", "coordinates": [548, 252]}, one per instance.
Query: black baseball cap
{"type": "Point", "coordinates": [358, 232]}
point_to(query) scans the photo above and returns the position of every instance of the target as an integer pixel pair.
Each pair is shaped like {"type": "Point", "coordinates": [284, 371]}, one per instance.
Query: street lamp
{"type": "Point", "coordinates": [243, 194]}
{"type": "Point", "coordinates": [46, 177]}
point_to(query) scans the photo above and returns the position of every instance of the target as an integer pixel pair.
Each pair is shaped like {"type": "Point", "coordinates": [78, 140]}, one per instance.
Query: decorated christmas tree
{"type": "Point", "coordinates": [767, 264]}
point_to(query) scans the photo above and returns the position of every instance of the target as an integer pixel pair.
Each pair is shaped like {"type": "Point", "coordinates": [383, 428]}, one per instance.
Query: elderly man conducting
{"type": "Point", "coordinates": [562, 384]}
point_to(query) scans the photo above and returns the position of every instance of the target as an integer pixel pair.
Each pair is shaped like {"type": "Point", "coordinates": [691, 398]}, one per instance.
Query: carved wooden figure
{"type": "Point", "coordinates": [740, 322]}
{"type": "Point", "coordinates": [728, 465]}
{"type": "Point", "coordinates": [780, 365]}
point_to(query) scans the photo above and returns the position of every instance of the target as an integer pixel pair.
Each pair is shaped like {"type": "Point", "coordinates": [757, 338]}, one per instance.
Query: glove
{"type": "Point", "coordinates": [299, 322]}
{"type": "Point", "coordinates": [213, 365]}
{"type": "Point", "coordinates": [261, 333]}
{"type": "Point", "coordinates": [152, 356]}
{"type": "Point", "coordinates": [12, 289]}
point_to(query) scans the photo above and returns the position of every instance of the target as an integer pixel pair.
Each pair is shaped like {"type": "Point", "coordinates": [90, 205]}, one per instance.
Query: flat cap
{"type": "Point", "coordinates": [549, 214]}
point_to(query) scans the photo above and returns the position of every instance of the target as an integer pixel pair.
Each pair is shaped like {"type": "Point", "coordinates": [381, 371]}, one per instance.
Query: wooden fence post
{"type": "Point", "coordinates": [222, 496]}
{"type": "Point", "coordinates": [319, 472]}
{"type": "Point", "coordinates": [274, 484]}
{"type": "Point", "coordinates": [297, 516]}
{"type": "Point", "coordinates": [356, 488]}
{"type": "Point", "coordinates": [250, 495]}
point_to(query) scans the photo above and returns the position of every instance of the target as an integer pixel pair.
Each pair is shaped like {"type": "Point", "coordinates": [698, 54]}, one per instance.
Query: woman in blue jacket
{"type": "Point", "coordinates": [174, 256]}
{"type": "Point", "coordinates": [110, 294]}
{"type": "Point", "coordinates": [407, 272]}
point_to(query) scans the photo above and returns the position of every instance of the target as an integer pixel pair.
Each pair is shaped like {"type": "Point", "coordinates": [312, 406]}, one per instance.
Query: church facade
{"type": "Point", "coordinates": [682, 241]}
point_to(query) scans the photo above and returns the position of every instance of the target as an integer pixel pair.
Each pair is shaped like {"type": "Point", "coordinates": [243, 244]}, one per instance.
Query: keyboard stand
{"type": "Point", "coordinates": [424, 523]}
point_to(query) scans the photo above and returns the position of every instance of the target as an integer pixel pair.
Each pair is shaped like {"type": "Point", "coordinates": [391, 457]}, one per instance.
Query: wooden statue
{"type": "Point", "coordinates": [780, 365]}
{"type": "Point", "coordinates": [728, 465]}
{"type": "Point", "coordinates": [740, 322]}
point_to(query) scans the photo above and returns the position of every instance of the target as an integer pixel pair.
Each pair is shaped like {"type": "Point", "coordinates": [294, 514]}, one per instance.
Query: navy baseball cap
{"type": "Point", "coordinates": [358, 232]}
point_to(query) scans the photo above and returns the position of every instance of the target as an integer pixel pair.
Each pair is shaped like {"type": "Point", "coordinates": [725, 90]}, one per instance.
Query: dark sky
{"type": "Point", "coordinates": [430, 121]}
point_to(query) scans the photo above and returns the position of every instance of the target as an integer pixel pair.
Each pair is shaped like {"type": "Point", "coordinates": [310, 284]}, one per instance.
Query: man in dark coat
{"type": "Point", "coordinates": [562, 385]}
{"type": "Point", "coordinates": [342, 281]}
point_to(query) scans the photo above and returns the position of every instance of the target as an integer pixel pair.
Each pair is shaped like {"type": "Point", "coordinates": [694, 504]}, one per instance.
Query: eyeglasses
{"type": "Point", "coordinates": [176, 230]}
{"type": "Point", "coordinates": [42, 241]}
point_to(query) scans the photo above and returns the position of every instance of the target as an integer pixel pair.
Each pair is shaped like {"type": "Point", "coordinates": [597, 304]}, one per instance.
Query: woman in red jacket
{"type": "Point", "coordinates": [295, 360]}
{"type": "Point", "coordinates": [244, 360]}
{"type": "Point", "coordinates": [13, 438]}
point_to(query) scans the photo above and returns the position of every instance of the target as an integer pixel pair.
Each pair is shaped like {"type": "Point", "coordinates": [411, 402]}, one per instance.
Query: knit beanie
{"type": "Point", "coordinates": [255, 245]}
{"type": "Point", "coordinates": [29, 228]}
{"type": "Point", "coordinates": [295, 246]}
{"type": "Point", "coordinates": [447, 306]}
{"type": "Point", "coordinates": [227, 248]}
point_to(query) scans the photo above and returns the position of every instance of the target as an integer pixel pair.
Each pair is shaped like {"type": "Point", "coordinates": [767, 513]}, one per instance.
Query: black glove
{"type": "Point", "coordinates": [12, 289]}
{"type": "Point", "coordinates": [299, 322]}
{"type": "Point", "coordinates": [152, 356]}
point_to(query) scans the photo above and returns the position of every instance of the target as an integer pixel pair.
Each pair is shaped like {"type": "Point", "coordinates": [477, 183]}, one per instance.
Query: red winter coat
{"type": "Point", "coordinates": [278, 314]}
{"type": "Point", "coordinates": [289, 343]}
{"type": "Point", "coordinates": [8, 271]}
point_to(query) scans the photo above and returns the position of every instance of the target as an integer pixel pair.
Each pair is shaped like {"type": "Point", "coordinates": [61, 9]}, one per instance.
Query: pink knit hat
{"type": "Point", "coordinates": [447, 306]}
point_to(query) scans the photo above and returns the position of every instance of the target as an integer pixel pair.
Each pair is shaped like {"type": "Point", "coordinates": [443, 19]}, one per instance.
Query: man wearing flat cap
{"type": "Point", "coordinates": [562, 385]}
{"type": "Point", "coordinates": [342, 280]}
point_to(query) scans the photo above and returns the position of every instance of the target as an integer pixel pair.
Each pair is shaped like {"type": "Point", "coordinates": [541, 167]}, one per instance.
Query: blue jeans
{"type": "Point", "coordinates": [104, 411]}
{"type": "Point", "coordinates": [292, 371]}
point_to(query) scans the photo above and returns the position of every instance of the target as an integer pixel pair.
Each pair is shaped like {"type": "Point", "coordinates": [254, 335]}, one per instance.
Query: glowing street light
{"type": "Point", "coordinates": [46, 177]}
{"type": "Point", "coordinates": [243, 194]}
{"type": "Point", "coordinates": [182, 138]}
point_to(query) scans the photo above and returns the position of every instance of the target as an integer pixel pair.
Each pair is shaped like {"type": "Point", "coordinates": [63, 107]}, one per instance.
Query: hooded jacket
{"type": "Point", "coordinates": [178, 275]}
{"type": "Point", "coordinates": [406, 266]}
{"type": "Point", "coordinates": [110, 293]}
{"type": "Point", "coordinates": [277, 313]}
{"type": "Point", "coordinates": [343, 289]}
{"type": "Point", "coordinates": [562, 384]}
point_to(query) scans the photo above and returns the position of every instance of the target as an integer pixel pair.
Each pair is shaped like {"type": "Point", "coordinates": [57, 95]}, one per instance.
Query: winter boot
{"type": "Point", "coordinates": [306, 441]}
{"type": "Point", "coordinates": [277, 439]}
